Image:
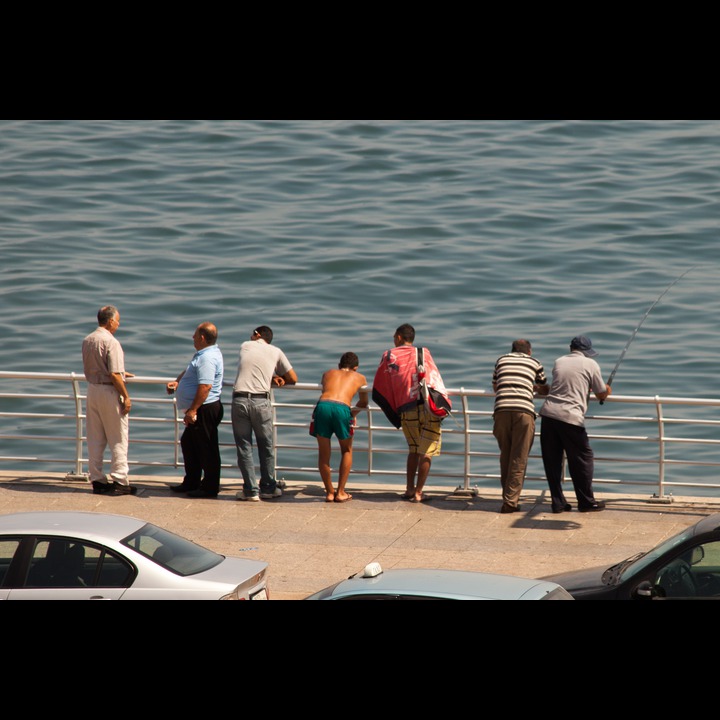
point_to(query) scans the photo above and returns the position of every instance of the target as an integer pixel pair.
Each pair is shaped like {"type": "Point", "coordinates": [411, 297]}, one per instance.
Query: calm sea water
{"type": "Point", "coordinates": [334, 232]}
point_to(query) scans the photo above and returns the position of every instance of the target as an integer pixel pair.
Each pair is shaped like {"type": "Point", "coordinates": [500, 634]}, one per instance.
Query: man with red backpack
{"type": "Point", "coordinates": [396, 389]}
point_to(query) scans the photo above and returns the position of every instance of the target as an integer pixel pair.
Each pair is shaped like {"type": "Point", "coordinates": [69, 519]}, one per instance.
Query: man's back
{"type": "Point", "coordinates": [574, 378]}
{"type": "Point", "coordinates": [257, 363]}
{"type": "Point", "coordinates": [514, 379]}
{"type": "Point", "coordinates": [341, 385]}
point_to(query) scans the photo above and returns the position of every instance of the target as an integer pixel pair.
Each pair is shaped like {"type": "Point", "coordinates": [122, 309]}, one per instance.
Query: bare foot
{"type": "Point", "coordinates": [342, 498]}
{"type": "Point", "coordinates": [330, 497]}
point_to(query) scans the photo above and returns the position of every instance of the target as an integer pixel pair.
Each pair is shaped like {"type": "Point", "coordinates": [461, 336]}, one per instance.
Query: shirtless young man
{"type": "Point", "coordinates": [333, 414]}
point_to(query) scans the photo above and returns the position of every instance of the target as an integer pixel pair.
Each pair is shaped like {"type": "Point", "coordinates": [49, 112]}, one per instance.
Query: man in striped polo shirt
{"type": "Point", "coordinates": [516, 379]}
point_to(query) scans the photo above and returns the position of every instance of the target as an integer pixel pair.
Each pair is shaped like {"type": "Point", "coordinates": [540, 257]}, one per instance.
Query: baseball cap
{"type": "Point", "coordinates": [584, 344]}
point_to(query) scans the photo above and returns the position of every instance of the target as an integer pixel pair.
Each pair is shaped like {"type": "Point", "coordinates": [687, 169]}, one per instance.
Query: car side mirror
{"type": "Point", "coordinates": [645, 591]}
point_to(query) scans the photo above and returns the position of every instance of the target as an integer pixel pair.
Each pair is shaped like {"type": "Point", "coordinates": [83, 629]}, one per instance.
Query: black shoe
{"type": "Point", "coordinates": [565, 508]}
{"type": "Point", "coordinates": [597, 507]}
{"type": "Point", "coordinates": [118, 489]}
{"type": "Point", "coordinates": [199, 493]}
{"type": "Point", "coordinates": [505, 509]}
{"type": "Point", "coordinates": [181, 488]}
{"type": "Point", "coordinates": [102, 488]}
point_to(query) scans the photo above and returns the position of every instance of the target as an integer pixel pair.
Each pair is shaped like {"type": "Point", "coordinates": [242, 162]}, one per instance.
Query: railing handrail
{"type": "Point", "coordinates": [470, 424]}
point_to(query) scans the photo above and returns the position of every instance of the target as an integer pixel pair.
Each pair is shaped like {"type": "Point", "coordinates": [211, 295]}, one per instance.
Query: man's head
{"type": "Point", "coordinates": [405, 335]}
{"type": "Point", "coordinates": [262, 333]}
{"type": "Point", "coordinates": [109, 318]}
{"type": "Point", "coordinates": [584, 345]}
{"type": "Point", "coordinates": [349, 361]}
{"type": "Point", "coordinates": [205, 334]}
{"type": "Point", "coordinates": [522, 346]}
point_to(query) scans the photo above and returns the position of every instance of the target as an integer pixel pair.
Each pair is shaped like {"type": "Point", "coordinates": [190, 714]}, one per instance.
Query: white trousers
{"type": "Point", "coordinates": [106, 426]}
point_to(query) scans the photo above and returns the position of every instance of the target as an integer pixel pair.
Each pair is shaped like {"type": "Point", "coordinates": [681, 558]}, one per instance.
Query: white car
{"type": "Point", "coordinates": [100, 556]}
{"type": "Point", "coordinates": [374, 583]}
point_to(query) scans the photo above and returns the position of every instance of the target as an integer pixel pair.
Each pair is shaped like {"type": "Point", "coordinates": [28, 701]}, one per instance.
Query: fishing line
{"type": "Point", "coordinates": [635, 331]}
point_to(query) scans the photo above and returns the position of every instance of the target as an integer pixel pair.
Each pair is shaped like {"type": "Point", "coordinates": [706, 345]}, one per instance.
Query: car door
{"type": "Point", "coordinates": [60, 568]}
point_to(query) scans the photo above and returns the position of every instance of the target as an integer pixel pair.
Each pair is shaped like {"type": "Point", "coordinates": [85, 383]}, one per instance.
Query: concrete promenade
{"type": "Point", "coordinates": [310, 544]}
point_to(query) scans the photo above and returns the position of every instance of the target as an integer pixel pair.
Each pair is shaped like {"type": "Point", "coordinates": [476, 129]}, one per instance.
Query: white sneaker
{"type": "Point", "coordinates": [248, 498]}
{"type": "Point", "coordinates": [276, 493]}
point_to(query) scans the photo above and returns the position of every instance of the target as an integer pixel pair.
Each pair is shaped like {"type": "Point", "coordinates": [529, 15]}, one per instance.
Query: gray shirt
{"type": "Point", "coordinates": [257, 364]}
{"type": "Point", "coordinates": [574, 377]}
{"type": "Point", "coordinates": [102, 355]}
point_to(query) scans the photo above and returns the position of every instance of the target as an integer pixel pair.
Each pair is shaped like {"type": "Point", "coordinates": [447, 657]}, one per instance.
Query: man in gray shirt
{"type": "Point", "coordinates": [260, 366]}
{"type": "Point", "coordinates": [575, 376]}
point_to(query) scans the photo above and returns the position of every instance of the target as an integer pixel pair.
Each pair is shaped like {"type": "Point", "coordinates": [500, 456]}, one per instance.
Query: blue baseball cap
{"type": "Point", "coordinates": [584, 345]}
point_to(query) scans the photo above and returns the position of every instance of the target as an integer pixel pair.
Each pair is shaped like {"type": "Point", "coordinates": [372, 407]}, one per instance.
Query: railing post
{"type": "Point", "coordinates": [280, 482]}
{"type": "Point", "coordinates": [176, 432]}
{"type": "Point", "coordinates": [370, 442]}
{"type": "Point", "coordinates": [78, 474]}
{"type": "Point", "coordinates": [466, 489]}
{"type": "Point", "coordinates": [660, 496]}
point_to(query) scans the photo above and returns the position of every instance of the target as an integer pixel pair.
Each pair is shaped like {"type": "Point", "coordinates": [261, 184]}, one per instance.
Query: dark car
{"type": "Point", "coordinates": [684, 567]}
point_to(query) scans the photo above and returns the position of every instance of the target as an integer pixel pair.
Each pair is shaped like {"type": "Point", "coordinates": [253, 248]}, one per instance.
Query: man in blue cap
{"type": "Point", "coordinates": [574, 376]}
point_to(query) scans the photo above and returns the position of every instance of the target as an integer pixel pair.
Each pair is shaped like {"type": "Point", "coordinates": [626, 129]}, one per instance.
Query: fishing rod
{"type": "Point", "coordinates": [635, 331]}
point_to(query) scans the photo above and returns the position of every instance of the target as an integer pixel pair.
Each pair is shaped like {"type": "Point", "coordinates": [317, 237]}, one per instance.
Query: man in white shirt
{"type": "Point", "coordinates": [260, 366]}
{"type": "Point", "coordinates": [107, 406]}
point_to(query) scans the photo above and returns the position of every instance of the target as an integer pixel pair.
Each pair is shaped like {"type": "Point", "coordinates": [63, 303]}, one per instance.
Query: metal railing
{"type": "Point", "coordinates": [42, 422]}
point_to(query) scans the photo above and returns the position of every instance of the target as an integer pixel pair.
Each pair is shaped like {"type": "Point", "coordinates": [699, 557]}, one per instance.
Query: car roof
{"type": "Point", "coordinates": [459, 584]}
{"type": "Point", "coordinates": [79, 524]}
{"type": "Point", "coordinates": [708, 524]}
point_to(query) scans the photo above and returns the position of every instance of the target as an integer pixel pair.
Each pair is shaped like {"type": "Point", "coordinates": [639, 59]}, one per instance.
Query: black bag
{"type": "Point", "coordinates": [436, 403]}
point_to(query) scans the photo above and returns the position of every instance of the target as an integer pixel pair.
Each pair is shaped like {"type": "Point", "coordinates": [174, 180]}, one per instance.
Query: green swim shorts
{"type": "Point", "coordinates": [331, 417]}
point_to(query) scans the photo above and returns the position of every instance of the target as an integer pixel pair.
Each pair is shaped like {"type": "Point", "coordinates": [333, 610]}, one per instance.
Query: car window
{"type": "Point", "coordinates": [175, 553]}
{"type": "Point", "coordinates": [8, 548]}
{"type": "Point", "coordinates": [56, 563]}
{"type": "Point", "coordinates": [694, 574]}
{"type": "Point", "coordinates": [648, 558]}
{"type": "Point", "coordinates": [66, 563]}
{"type": "Point", "coordinates": [105, 569]}
{"type": "Point", "coordinates": [705, 567]}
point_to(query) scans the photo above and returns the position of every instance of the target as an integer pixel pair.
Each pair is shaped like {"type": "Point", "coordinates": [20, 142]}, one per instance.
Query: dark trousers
{"type": "Point", "coordinates": [201, 449]}
{"type": "Point", "coordinates": [557, 437]}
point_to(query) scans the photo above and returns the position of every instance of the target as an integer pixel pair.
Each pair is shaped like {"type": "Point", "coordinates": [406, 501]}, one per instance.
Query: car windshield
{"type": "Point", "coordinates": [631, 567]}
{"type": "Point", "coordinates": [171, 551]}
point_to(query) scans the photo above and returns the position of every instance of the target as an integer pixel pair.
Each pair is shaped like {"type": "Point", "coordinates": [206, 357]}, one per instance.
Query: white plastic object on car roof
{"type": "Point", "coordinates": [372, 570]}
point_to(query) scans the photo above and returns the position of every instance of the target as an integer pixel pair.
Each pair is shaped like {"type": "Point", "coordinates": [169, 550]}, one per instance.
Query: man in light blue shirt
{"type": "Point", "coordinates": [198, 390]}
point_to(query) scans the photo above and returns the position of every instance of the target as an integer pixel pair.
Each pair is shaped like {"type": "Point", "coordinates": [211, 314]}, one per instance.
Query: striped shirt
{"type": "Point", "coordinates": [513, 379]}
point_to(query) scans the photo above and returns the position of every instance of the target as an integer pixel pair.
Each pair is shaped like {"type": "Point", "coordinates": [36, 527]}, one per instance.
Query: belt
{"type": "Point", "coordinates": [251, 395]}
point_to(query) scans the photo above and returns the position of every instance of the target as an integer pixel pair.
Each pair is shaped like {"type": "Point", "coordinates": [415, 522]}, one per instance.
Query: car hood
{"type": "Point", "coordinates": [579, 580]}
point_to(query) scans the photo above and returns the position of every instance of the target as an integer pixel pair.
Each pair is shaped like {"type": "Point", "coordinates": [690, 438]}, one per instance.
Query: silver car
{"type": "Point", "coordinates": [374, 583]}
{"type": "Point", "coordinates": [100, 556]}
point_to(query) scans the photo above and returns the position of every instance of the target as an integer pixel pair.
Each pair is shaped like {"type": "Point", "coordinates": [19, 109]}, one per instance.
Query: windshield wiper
{"type": "Point", "coordinates": [611, 575]}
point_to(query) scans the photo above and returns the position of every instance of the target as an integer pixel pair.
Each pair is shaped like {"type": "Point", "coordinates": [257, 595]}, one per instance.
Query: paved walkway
{"type": "Point", "coordinates": [311, 544]}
